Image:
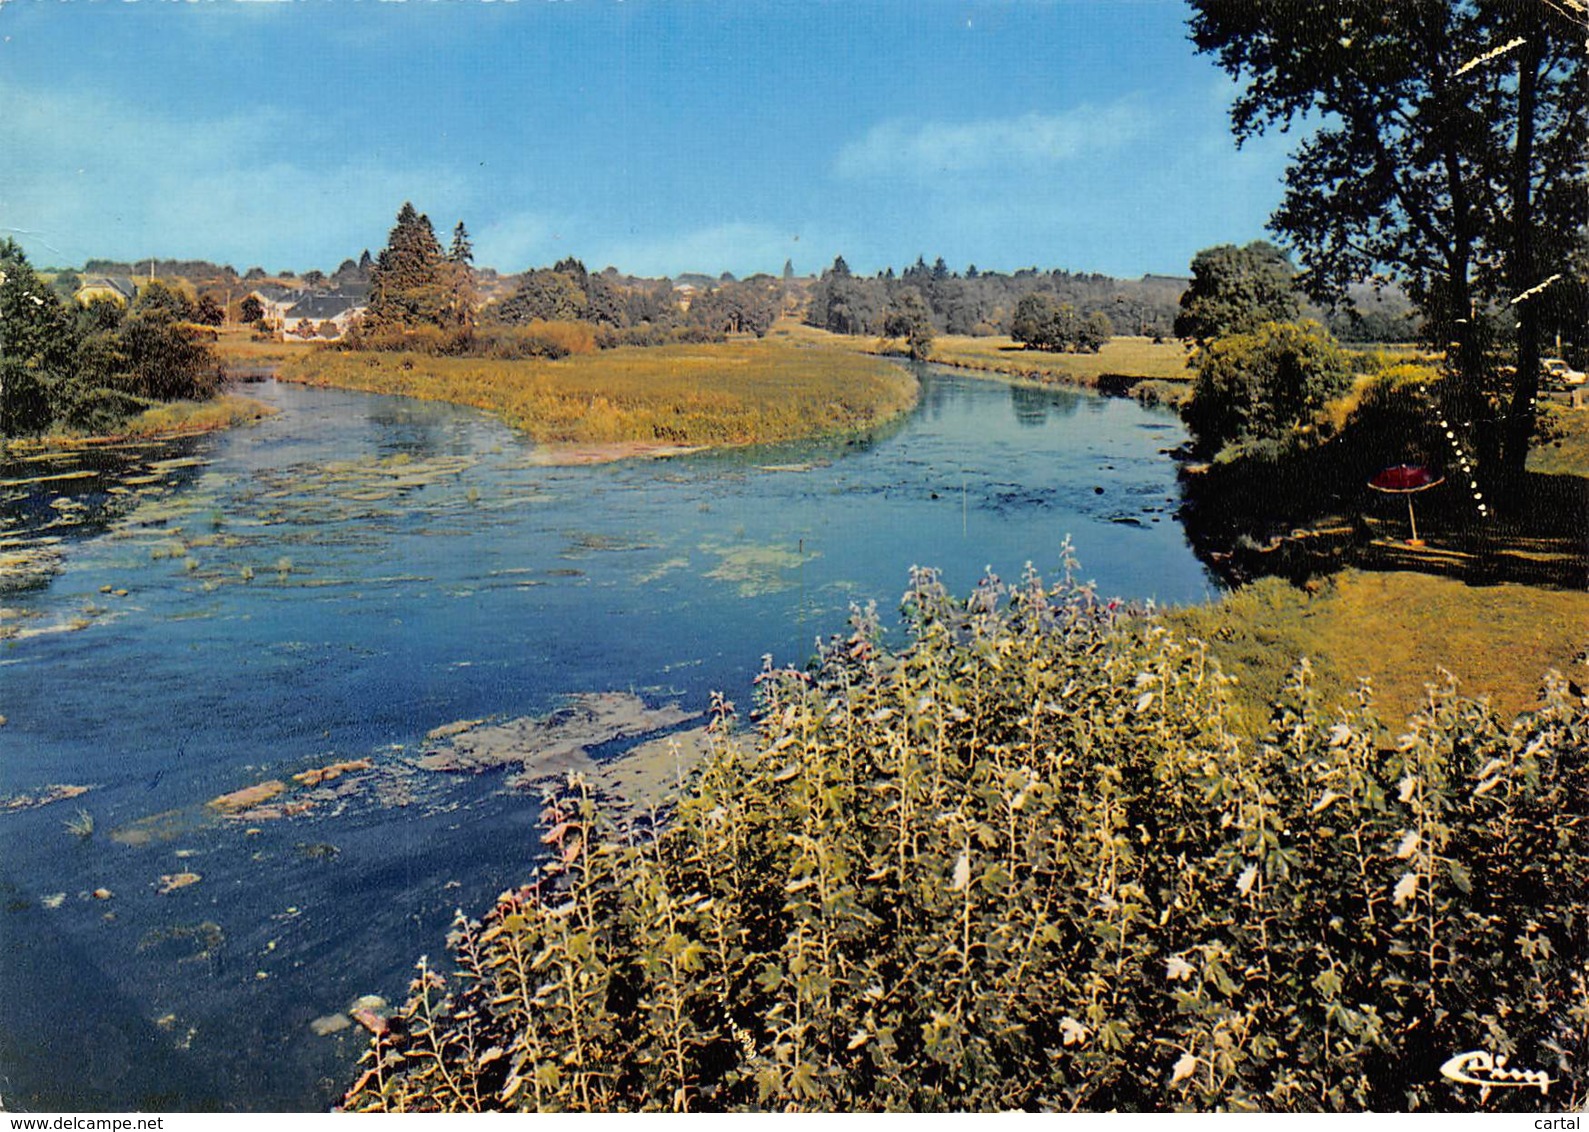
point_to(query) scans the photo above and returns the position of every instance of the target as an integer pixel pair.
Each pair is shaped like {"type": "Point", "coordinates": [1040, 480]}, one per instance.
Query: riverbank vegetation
{"type": "Point", "coordinates": [741, 392]}
{"type": "Point", "coordinates": [1028, 860]}
{"type": "Point", "coordinates": [225, 410]}
{"type": "Point", "coordinates": [88, 369]}
{"type": "Point", "coordinates": [1450, 161]}
{"type": "Point", "coordinates": [1391, 628]}
{"type": "Point", "coordinates": [1294, 431]}
{"type": "Point", "coordinates": [1141, 366]}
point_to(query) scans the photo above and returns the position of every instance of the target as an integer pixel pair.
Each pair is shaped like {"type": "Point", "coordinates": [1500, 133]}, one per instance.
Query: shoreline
{"type": "Point", "coordinates": [576, 455]}
{"type": "Point", "coordinates": [189, 418]}
{"type": "Point", "coordinates": [1149, 372]}
{"type": "Point", "coordinates": [1143, 389]}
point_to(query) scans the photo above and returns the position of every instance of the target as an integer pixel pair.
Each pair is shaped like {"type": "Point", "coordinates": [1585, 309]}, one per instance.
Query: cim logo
{"type": "Point", "coordinates": [1478, 1067]}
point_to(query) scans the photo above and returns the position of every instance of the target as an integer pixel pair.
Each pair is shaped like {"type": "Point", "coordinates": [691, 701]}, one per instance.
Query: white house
{"type": "Point", "coordinates": [275, 300]}
{"type": "Point", "coordinates": [308, 317]}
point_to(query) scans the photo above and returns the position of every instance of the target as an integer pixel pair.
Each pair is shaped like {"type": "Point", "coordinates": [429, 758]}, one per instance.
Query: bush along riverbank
{"type": "Point", "coordinates": [164, 421]}
{"type": "Point", "coordinates": [1025, 861]}
{"type": "Point", "coordinates": [1299, 504]}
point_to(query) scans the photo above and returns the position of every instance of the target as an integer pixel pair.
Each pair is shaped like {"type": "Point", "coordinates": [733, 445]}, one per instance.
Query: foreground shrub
{"type": "Point", "coordinates": [1022, 863]}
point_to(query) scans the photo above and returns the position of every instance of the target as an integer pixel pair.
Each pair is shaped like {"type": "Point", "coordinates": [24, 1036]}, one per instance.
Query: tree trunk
{"type": "Point", "coordinates": [1521, 277]}
{"type": "Point", "coordinates": [1470, 406]}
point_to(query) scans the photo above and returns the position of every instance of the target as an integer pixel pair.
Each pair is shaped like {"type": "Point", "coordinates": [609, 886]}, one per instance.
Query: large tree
{"type": "Point", "coordinates": [411, 283]}
{"type": "Point", "coordinates": [1445, 151]}
{"type": "Point", "coordinates": [1236, 290]}
{"type": "Point", "coordinates": [37, 343]}
{"type": "Point", "coordinates": [907, 317]}
{"type": "Point", "coordinates": [545, 294]}
{"type": "Point", "coordinates": [1265, 384]}
{"type": "Point", "coordinates": [1043, 322]}
{"type": "Point", "coordinates": [460, 267]}
{"type": "Point", "coordinates": [739, 307]}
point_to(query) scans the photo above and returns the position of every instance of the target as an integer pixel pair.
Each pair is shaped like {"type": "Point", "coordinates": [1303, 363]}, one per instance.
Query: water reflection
{"type": "Point", "coordinates": [1031, 406]}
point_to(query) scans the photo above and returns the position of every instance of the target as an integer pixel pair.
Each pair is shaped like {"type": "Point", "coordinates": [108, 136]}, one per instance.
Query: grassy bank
{"type": "Point", "coordinates": [1128, 357]}
{"type": "Point", "coordinates": [1152, 370]}
{"type": "Point", "coordinates": [1565, 449]}
{"type": "Point", "coordinates": [224, 411]}
{"type": "Point", "coordinates": [1395, 628]}
{"type": "Point", "coordinates": [743, 392]}
{"type": "Point", "coordinates": [237, 349]}
{"type": "Point", "coordinates": [171, 418]}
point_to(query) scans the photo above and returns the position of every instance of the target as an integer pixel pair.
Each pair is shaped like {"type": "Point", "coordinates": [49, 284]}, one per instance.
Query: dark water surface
{"type": "Point", "coordinates": [338, 580]}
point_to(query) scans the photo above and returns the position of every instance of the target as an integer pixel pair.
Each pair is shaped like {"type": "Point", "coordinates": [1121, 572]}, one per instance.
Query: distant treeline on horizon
{"type": "Point", "coordinates": [973, 302]}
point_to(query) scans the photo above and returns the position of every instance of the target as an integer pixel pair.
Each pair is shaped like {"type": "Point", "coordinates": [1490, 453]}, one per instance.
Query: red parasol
{"type": "Point", "coordinates": [1408, 480]}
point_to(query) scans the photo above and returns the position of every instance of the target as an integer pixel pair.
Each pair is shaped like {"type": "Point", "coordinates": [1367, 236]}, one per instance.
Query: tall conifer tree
{"type": "Point", "coordinates": [411, 284]}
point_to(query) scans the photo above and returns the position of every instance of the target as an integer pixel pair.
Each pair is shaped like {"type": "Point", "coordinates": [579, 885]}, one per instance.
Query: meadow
{"type": "Point", "coordinates": [239, 348]}
{"type": "Point", "coordinates": [1153, 370]}
{"type": "Point", "coordinates": [1399, 630]}
{"type": "Point", "coordinates": [1563, 446]}
{"type": "Point", "coordinates": [740, 392]}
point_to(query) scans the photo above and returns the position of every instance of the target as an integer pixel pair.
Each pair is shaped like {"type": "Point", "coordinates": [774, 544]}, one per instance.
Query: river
{"type": "Point", "coordinates": [336, 581]}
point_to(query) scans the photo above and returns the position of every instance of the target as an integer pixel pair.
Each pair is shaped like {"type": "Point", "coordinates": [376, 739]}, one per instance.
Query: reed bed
{"type": "Point", "coordinates": [743, 392]}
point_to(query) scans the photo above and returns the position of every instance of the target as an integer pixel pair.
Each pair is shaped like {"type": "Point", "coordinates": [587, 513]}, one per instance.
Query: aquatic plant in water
{"type": "Point", "coordinates": [1023, 861]}
{"type": "Point", "coordinates": [80, 824]}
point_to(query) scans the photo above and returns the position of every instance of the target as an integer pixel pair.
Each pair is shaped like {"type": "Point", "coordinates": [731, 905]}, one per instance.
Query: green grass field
{"type": "Point", "coordinates": [236, 348]}
{"type": "Point", "coordinates": [1140, 358]}
{"type": "Point", "coordinates": [1396, 628]}
{"type": "Point", "coordinates": [740, 392]}
{"type": "Point", "coordinates": [1151, 371]}
{"type": "Point", "coordinates": [1566, 451]}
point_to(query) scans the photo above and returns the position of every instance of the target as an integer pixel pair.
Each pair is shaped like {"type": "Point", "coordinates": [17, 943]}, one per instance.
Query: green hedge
{"type": "Point", "coordinates": [1022, 862]}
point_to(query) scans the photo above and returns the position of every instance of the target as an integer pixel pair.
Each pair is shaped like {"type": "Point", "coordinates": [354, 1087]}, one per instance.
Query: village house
{"type": "Point", "coordinates": [116, 288]}
{"type": "Point", "coordinates": [312, 315]}
{"type": "Point", "coordinates": [275, 300]}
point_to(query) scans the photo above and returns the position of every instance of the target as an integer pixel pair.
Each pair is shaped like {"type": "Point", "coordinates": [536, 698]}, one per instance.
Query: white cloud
{"type": "Point", "coordinates": [1026, 142]}
{"type": "Point", "coordinates": [87, 178]}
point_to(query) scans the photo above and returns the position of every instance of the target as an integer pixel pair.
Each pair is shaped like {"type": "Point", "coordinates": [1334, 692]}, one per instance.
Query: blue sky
{"type": "Point", "coordinates": [659, 136]}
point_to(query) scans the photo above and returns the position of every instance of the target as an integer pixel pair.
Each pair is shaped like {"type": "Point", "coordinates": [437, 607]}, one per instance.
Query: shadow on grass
{"type": "Point", "coordinates": [1311, 514]}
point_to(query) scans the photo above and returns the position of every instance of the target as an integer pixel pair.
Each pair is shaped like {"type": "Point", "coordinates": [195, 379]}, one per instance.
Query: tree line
{"type": "Point", "coordinates": [986, 302]}
{"type": "Point", "coordinates": [425, 297]}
